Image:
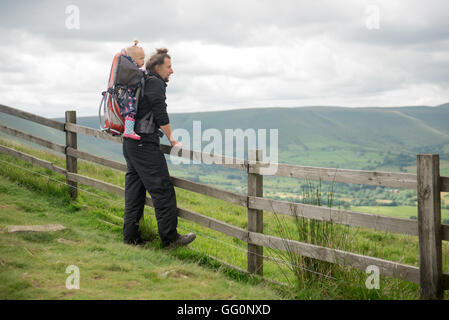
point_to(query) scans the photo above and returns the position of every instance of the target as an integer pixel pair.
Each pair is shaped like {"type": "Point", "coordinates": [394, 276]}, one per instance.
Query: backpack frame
{"type": "Point", "coordinates": [124, 74]}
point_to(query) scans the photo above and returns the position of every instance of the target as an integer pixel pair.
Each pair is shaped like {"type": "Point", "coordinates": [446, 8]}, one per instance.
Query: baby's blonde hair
{"type": "Point", "coordinates": [135, 52]}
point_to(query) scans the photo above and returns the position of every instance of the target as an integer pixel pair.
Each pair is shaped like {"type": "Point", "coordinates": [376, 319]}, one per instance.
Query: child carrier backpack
{"type": "Point", "coordinates": [124, 75]}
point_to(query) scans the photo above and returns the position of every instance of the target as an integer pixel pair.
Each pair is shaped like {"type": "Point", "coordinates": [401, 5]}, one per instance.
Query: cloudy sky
{"type": "Point", "coordinates": [228, 55]}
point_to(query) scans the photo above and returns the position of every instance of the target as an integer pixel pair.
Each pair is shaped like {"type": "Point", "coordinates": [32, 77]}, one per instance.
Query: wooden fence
{"type": "Point", "coordinates": [428, 183]}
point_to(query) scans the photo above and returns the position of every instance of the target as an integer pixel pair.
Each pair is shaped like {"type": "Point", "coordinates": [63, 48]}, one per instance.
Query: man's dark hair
{"type": "Point", "coordinates": [157, 59]}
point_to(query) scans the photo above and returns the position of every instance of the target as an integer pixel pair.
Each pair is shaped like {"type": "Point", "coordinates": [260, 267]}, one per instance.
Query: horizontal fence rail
{"type": "Point", "coordinates": [32, 117]}
{"type": "Point", "coordinates": [29, 137]}
{"type": "Point", "coordinates": [375, 178]}
{"type": "Point", "coordinates": [235, 163]}
{"type": "Point", "coordinates": [33, 160]}
{"type": "Point", "coordinates": [345, 217]}
{"type": "Point", "coordinates": [255, 203]}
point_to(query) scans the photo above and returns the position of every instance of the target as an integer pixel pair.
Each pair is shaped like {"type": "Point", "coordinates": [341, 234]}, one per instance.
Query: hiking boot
{"type": "Point", "coordinates": [182, 240]}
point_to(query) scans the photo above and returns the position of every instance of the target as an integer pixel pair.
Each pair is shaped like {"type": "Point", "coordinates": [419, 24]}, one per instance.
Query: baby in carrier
{"type": "Point", "coordinates": [136, 55]}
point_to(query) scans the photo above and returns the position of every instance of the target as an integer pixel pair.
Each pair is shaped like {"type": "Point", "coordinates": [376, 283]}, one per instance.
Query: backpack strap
{"type": "Point", "coordinates": [146, 124]}
{"type": "Point", "coordinates": [142, 86]}
{"type": "Point", "coordinates": [140, 90]}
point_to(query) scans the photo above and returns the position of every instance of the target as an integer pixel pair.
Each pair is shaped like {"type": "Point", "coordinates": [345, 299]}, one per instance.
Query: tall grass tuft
{"type": "Point", "coordinates": [307, 271]}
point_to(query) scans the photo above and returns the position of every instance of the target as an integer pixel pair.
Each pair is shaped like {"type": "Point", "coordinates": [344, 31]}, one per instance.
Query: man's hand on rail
{"type": "Point", "coordinates": [168, 132]}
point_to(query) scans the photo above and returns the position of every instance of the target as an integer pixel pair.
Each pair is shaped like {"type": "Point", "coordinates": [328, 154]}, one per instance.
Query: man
{"type": "Point", "coordinates": [147, 167]}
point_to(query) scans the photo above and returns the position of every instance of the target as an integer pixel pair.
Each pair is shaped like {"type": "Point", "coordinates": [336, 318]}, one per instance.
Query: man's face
{"type": "Point", "coordinates": [165, 70]}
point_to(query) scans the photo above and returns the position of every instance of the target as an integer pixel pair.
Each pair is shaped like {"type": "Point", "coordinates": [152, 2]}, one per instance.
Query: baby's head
{"type": "Point", "coordinates": [136, 53]}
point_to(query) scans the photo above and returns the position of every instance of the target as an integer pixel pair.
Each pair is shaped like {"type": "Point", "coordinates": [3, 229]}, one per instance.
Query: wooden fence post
{"type": "Point", "coordinates": [429, 226]}
{"type": "Point", "coordinates": [255, 217]}
{"type": "Point", "coordinates": [71, 162]}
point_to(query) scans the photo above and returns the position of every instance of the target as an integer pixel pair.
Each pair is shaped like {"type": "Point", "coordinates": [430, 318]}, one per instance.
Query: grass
{"type": "Point", "coordinates": [321, 233]}
{"type": "Point", "coordinates": [32, 265]}
{"type": "Point", "coordinates": [396, 211]}
{"type": "Point", "coordinates": [95, 221]}
{"type": "Point", "coordinates": [445, 172]}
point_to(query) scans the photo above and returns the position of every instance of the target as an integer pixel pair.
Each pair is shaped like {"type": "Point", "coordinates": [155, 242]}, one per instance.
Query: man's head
{"type": "Point", "coordinates": [160, 63]}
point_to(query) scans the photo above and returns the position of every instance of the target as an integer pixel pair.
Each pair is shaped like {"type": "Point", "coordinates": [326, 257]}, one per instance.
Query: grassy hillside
{"type": "Point", "coordinates": [95, 220]}
{"type": "Point", "coordinates": [32, 265]}
{"type": "Point", "coordinates": [383, 129]}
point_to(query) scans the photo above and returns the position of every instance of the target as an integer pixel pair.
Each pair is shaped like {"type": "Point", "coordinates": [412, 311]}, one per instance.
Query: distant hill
{"type": "Point", "coordinates": [367, 127]}
{"type": "Point", "coordinates": [326, 136]}
{"type": "Point", "coordinates": [85, 143]}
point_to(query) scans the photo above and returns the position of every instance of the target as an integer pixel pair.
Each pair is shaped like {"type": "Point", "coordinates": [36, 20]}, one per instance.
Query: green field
{"type": "Point", "coordinates": [32, 194]}
{"type": "Point", "coordinates": [33, 265]}
{"type": "Point", "coordinates": [397, 212]}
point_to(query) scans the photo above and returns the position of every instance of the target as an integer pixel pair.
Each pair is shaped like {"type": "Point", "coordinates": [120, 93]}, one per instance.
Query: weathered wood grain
{"type": "Point", "coordinates": [92, 132]}
{"type": "Point", "coordinates": [255, 216]}
{"type": "Point", "coordinates": [36, 228]}
{"type": "Point", "coordinates": [429, 226]}
{"type": "Point", "coordinates": [444, 184]}
{"type": "Point", "coordinates": [29, 137]}
{"type": "Point", "coordinates": [235, 163]}
{"type": "Point", "coordinates": [32, 160]}
{"type": "Point", "coordinates": [386, 268]}
{"type": "Point", "coordinates": [339, 216]}
{"type": "Point", "coordinates": [214, 224]}
{"type": "Point", "coordinates": [376, 178]}
{"type": "Point", "coordinates": [230, 162]}
{"type": "Point", "coordinates": [71, 162]}
{"type": "Point", "coordinates": [96, 159]}
{"type": "Point", "coordinates": [108, 187]}
{"type": "Point", "coordinates": [217, 193]}
{"type": "Point", "coordinates": [228, 196]}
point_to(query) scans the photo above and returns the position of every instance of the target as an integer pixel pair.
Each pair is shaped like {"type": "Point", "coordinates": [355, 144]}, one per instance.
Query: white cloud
{"type": "Point", "coordinates": [257, 54]}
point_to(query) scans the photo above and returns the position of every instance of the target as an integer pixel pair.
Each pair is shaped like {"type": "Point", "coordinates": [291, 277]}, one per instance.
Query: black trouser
{"type": "Point", "coordinates": [147, 170]}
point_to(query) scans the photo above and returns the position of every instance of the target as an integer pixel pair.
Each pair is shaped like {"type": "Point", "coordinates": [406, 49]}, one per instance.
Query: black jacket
{"type": "Point", "coordinates": [153, 100]}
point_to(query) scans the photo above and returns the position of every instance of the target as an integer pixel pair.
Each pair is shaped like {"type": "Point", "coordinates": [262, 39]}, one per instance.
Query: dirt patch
{"type": "Point", "coordinates": [35, 283]}
{"type": "Point", "coordinates": [132, 284]}
{"type": "Point", "coordinates": [173, 273]}
{"type": "Point", "coordinates": [67, 294]}
{"type": "Point", "coordinates": [7, 206]}
{"type": "Point", "coordinates": [38, 228]}
{"type": "Point", "coordinates": [66, 241]}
